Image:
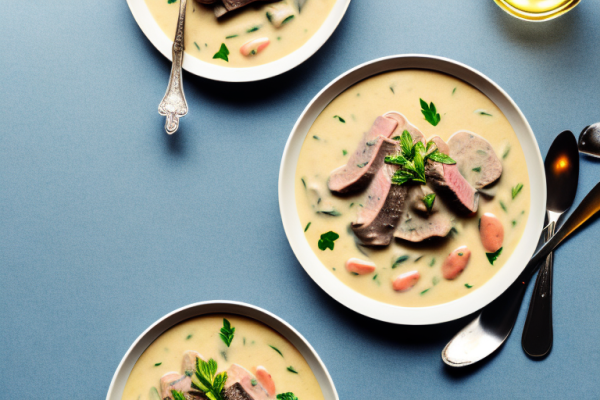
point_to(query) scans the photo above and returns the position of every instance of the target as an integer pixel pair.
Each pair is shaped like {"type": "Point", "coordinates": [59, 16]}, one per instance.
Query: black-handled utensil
{"type": "Point", "coordinates": [562, 176]}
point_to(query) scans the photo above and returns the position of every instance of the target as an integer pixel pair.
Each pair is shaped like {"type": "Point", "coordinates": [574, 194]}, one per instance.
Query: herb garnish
{"type": "Point", "coordinates": [375, 276]}
{"type": "Point", "coordinates": [503, 206]}
{"type": "Point", "coordinates": [307, 226]}
{"type": "Point", "coordinates": [400, 260]}
{"type": "Point", "coordinates": [316, 137]}
{"type": "Point", "coordinates": [516, 190]}
{"type": "Point", "coordinates": [189, 337]}
{"type": "Point", "coordinates": [506, 151]}
{"type": "Point", "coordinates": [494, 256]}
{"type": "Point", "coordinates": [362, 165]}
{"type": "Point", "coordinates": [327, 239]}
{"type": "Point", "coordinates": [206, 380]}
{"type": "Point", "coordinates": [344, 152]}
{"type": "Point", "coordinates": [158, 364]}
{"type": "Point", "coordinates": [286, 396]}
{"type": "Point", "coordinates": [222, 53]}
{"type": "Point", "coordinates": [428, 200]}
{"type": "Point", "coordinates": [453, 90]}
{"type": "Point", "coordinates": [277, 350]}
{"type": "Point", "coordinates": [253, 382]}
{"type": "Point", "coordinates": [231, 36]}
{"type": "Point", "coordinates": [429, 112]}
{"type": "Point", "coordinates": [476, 169]}
{"type": "Point", "coordinates": [171, 1]}
{"type": "Point", "coordinates": [432, 263]}
{"type": "Point", "coordinates": [482, 112]}
{"type": "Point", "coordinates": [412, 159]}
{"type": "Point", "coordinates": [392, 89]}
{"type": "Point", "coordinates": [435, 280]}
{"type": "Point", "coordinates": [177, 395]}
{"type": "Point", "coordinates": [227, 332]}
{"type": "Point", "coordinates": [342, 120]}
{"type": "Point", "coordinates": [291, 369]}
{"type": "Point", "coordinates": [514, 222]}
{"type": "Point", "coordinates": [333, 213]}
{"type": "Point", "coordinates": [418, 258]}
{"type": "Point", "coordinates": [253, 29]}
{"type": "Point", "coordinates": [425, 291]}
{"type": "Point", "coordinates": [468, 286]}
{"type": "Point", "coordinates": [198, 47]}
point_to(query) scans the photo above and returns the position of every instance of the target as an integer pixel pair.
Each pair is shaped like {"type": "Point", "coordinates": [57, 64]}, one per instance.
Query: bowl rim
{"type": "Point", "coordinates": [360, 303]}
{"type": "Point", "coordinates": [146, 338]}
{"type": "Point", "coordinates": [163, 44]}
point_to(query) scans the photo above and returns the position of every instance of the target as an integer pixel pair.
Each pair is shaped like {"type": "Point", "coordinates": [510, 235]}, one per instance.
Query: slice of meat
{"type": "Point", "coordinates": [188, 365]}
{"type": "Point", "coordinates": [417, 223]}
{"type": "Point", "coordinates": [242, 385]}
{"type": "Point", "coordinates": [475, 158]}
{"type": "Point", "coordinates": [379, 217]}
{"type": "Point", "coordinates": [448, 182]}
{"type": "Point", "coordinates": [404, 125]}
{"type": "Point", "coordinates": [366, 160]}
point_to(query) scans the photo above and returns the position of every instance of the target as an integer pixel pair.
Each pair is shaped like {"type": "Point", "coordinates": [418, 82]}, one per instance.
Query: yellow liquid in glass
{"type": "Point", "coordinates": [537, 10]}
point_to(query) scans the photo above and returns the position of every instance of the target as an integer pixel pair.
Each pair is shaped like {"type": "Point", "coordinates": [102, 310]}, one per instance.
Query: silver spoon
{"type": "Point", "coordinates": [173, 105]}
{"type": "Point", "coordinates": [493, 325]}
{"type": "Point", "coordinates": [562, 175]}
{"type": "Point", "coordinates": [589, 140]}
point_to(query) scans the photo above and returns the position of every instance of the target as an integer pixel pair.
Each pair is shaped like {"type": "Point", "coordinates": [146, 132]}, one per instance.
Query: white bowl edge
{"type": "Point", "coordinates": [388, 312]}
{"type": "Point", "coordinates": [117, 384]}
{"type": "Point", "coordinates": [163, 44]}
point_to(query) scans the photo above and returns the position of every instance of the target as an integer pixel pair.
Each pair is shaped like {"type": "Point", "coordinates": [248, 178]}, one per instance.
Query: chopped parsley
{"type": "Point", "coordinates": [171, 1]}
{"type": "Point", "coordinates": [428, 200]}
{"type": "Point", "coordinates": [207, 380]}
{"type": "Point", "coordinates": [432, 262]}
{"type": "Point", "coordinates": [277, 350]}
{"type": "Point", "coordinates": [253, 382]}
{"type": "Point", "coordinates": [425, 291]}
{"type": "Point", "coordinates": [344, 152]}
{"type": "Point", "coordinates": [493, 256]}
{"type": "Point", "coordinates": [189, 337]}
{"type": "Point", "coordinates": [316, 137]}
{"type": "Point", "coordinates": [158, 364]}
{"type": "Point", "coordinates": [327, 239]}
{"type": "Point", "coordinates": [453, 90]}
{"type": "Point", "coordinates": [231, 36]}
{"type": "Point", "coordinates": [292, 370]}
{"type": "Point", "coordinates": [287, 396]}
{"type": "Point", "coordinates": [196, 44]}
{"type": "Point", "coordinates": [430, 113]}
{"type": "Point", "coordinates": [468, 286]}
{"type": "Point", "coordinates": [503, 206]}
{"type": "Point", "coordinates": [342, 120]}
{"type": "Point", "coordinates": [253, 29]}
{"type": "Point", "coordinates": [506, 151]}
{"type": "Point", "coordinates": [307, 226]}
{"type": "Point", "coordinates": [222, 53]}
{"type": "Point", "coordinates": [333, 213]}
{"type": "Point", "coordinates": [516, 190]}
{"type": "Point", "coordinates": [483, 112]}
{"type": "Point", "coordinates": [392, 89]}
{"type": "Point", "coordinates": [400, 260]}
{"type": "Point", "coordinates": [476, 169]}
{"type": "Point", "coordinates": [227, 332]}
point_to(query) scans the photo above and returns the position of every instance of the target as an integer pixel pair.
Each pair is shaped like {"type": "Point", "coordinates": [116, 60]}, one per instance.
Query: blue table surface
{"type": "Point", "coordinates": [106, 224]}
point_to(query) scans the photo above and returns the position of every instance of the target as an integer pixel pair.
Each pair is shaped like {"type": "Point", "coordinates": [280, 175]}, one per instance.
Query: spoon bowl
{"type": "Point", "coordinates": [589, 140]}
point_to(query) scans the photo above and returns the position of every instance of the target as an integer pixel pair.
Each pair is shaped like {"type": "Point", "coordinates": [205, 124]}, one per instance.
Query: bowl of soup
{"type": "Point", "coordinates": [221, 348]}
{"type": "Point", "coordinates": [412, 190]}
{"type": "Point", "coordinates": [257, 41]}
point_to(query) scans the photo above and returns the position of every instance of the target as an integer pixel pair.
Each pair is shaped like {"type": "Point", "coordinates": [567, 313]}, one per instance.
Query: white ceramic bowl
{"type": "Point", "coordinates": [157, 37]}
{"type": "Point", "coordinates": [115, 391]}
{"type": "Point", "coordinates": [383, 311]}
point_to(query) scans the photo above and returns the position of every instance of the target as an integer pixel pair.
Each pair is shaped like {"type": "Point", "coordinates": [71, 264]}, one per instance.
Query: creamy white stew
{"type": "Point", "coordinates": [258, 33]}
{"type": "Point", "coordinates": [412, 188]}
{"type": "Point", "coordinates": [249, 361]}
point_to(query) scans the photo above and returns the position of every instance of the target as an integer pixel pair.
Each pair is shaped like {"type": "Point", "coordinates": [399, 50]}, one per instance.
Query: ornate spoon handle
{"type": "Point", "coordinates": [173, 105]}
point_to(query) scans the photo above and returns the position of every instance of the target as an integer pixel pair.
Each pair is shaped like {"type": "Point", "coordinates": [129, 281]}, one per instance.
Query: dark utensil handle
{"type": "Point", "coordinates": [537, 334]}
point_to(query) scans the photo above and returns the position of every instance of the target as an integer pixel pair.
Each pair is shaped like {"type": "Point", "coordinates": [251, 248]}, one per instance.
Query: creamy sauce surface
{"type": "Point", "coordinates": [204, 33]}
{"type": "Point", "coordinates": [460, 107]}
{"type": "Point", "coordinates": [249, 348]}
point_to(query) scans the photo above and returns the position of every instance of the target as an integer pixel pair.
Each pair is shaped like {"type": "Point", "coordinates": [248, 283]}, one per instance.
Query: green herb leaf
{"type": "Point", "coordinates": [231, 36]}
{"type": "Point", "coordinates": [351, 204]}
{"type": "Point", "coordinates": [277, 350]}
{"type": "Point", "coordinates": [425, 291]}
{"type": "Point", "coordinates": [303, 182]}
{"type": "Point", "coordinates": [316, 137]}
{"type": "Point", "coordinates": [428, 200]}
{"type": "Point", "coordinates": [375, 277]}
{"type": "Point", "coordinates": [362, 165]}
{"type": "Point", "coordinates": [397, 160]}
{"type": "Point", "coordinates": [494, 256]}
{"type": "Point", "coordinates": [406, 144]}
{"type": "Point", "coordinates": [483, 112]}
{"type": "Point", "coordinates": [171, 1]}
{"type": "Point", "coordinates": [253, 29]}
{"type": "Point", "coordinates": [196, 44]}
{"type": "Point", "coordinates": [392, 89]}
{"type": "Point", "coordinates": [287, 396]}
{"type": "Point", "coordinates": [453, 90]}
{"type": "Point", "coordinates": [307, 226]}
{"type": "Point", "coordinates": [432, 262]}
{"type": "Point", "coordinates": [468, 286]}
{"type": "Point", "coordinates": [291, 369]}
{"type": "Point", "coordinates": [476, 169]}
{"type": "Point", "coordinates": [342, 120]}
{"type": "Point", "coordinates": [206, 379]}
{"type": "Point", "coordinates": [400, 260]}
{"type": "Point", "coordinates": [327, 239]}
{"type": "Point", "coordinates": [189, 337]}
{"type": "Point", "coordinates": [435, 280]}
{"type": "Point", "coordinates": [158, 364]}
{"type": "Point", "coordinates": [514, 222]}
{"type": "Point", "coordinates": [253, 382]}
{"type": "Point", "coordinates": [418, 258]}
{"type": "Point", "coordinates": [227, 332]}
{"type": "Point", "coordinates": [222, 53]}
{"type": "Point", "coordinates": [503, 206]}
{"type": "Point", "coordinates": [516, 190]}
{"type": "Point", "coordinates": [440, 157]}
{"type": "Point", "coordinates": [429, 112]}
{"type": "Point", "coordinates": [506, 151]}
{"type": "Point", "coordinates": [177, 395]}
{"type": "Point", "coordinates": [344, 152]}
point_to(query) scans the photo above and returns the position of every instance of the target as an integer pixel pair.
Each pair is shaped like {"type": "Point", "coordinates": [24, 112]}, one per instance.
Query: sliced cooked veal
{"type": "Point", "coordinates": [366, 160]}
{"type": "Point", "coordinates": [475, 158]}
{"type": "Point", "coordinates": [239, 385]}
{"type": "Point", "coordinates": [379, 217]}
